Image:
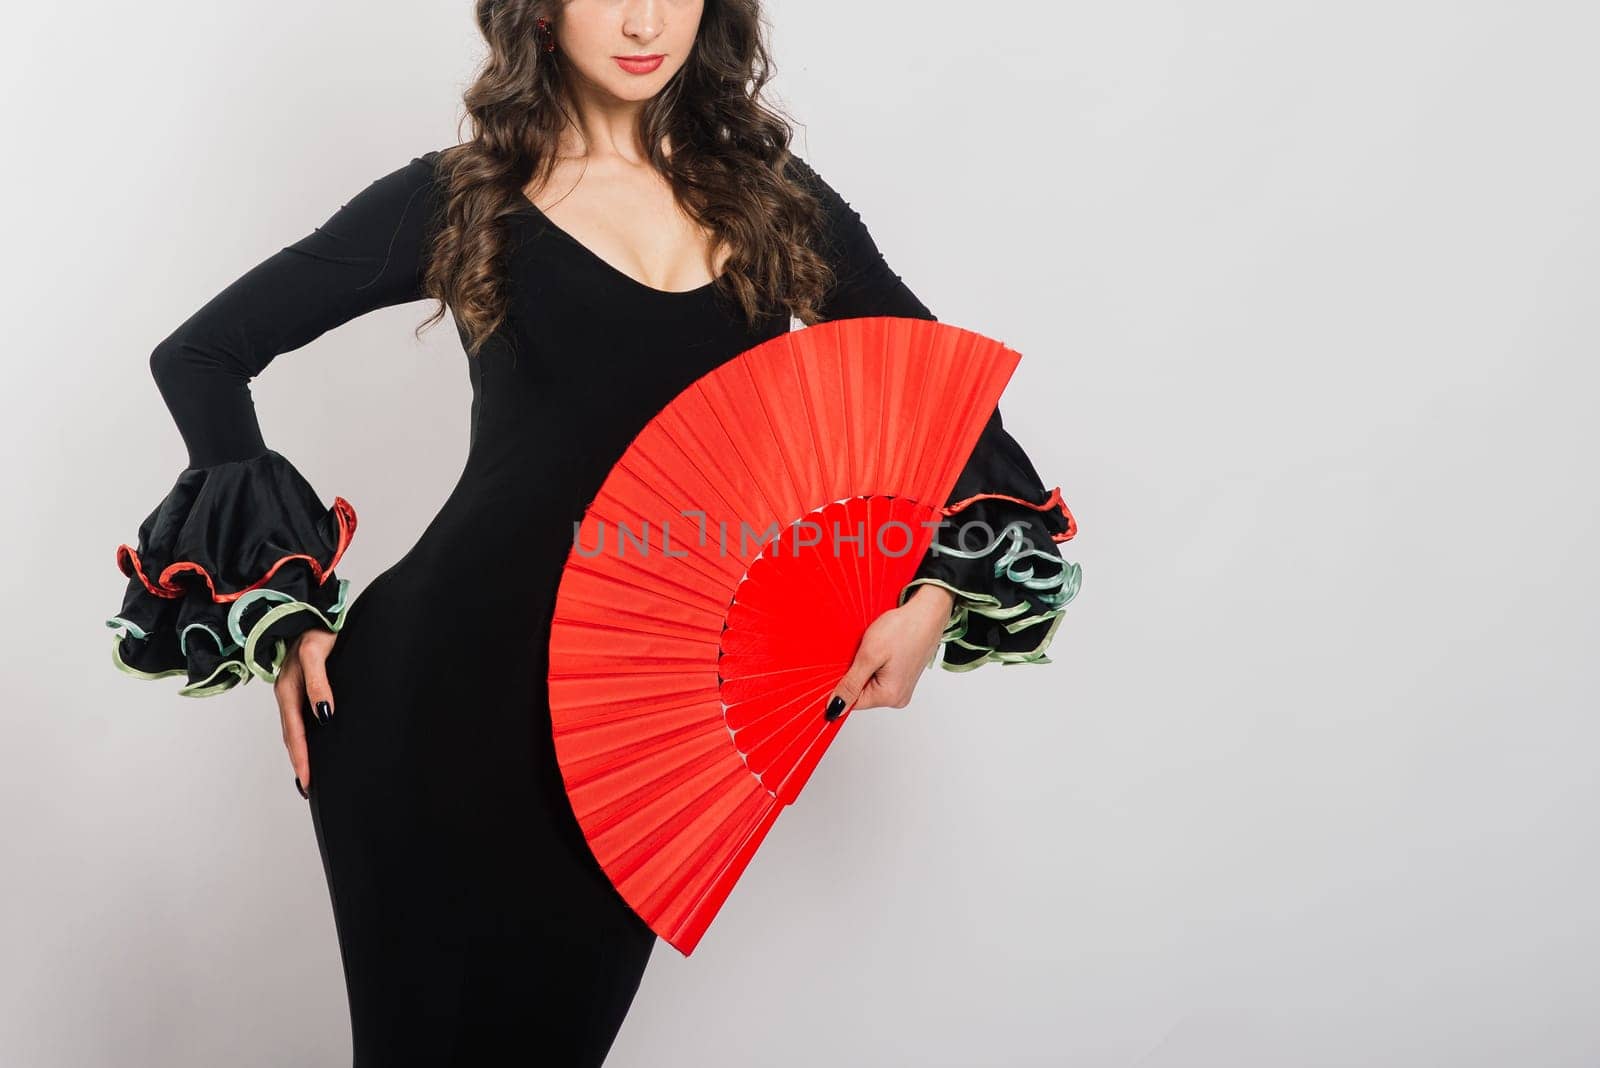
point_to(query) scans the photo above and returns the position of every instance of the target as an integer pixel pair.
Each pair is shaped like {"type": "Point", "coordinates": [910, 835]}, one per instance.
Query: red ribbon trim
{"type": "Point", "coordinates": [129, 564]}
{"type": "Point", "coordinates": [1052, 501]}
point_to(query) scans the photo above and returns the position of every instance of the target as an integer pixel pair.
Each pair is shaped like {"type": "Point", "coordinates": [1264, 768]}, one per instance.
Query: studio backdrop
{"type": "Point", "coordinates": [1303, 294]}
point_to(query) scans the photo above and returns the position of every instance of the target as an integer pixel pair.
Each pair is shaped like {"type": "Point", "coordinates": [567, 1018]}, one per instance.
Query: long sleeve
{"type": "Point", "coordinates": [996, 553]}
{"type": "Point", "coordinates": [238, 558]}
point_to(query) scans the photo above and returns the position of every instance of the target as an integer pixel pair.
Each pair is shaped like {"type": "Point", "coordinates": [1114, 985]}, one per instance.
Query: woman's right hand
{"type": "Point", "coordinates": [303, 679]}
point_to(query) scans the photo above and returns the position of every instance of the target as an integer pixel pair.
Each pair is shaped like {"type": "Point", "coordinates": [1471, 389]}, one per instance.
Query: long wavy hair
{"type": "Point", "coordinates": [727, 166]}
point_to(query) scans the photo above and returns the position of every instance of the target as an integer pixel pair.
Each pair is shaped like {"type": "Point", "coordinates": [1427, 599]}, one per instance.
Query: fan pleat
{"type": "Point", "coordinates": [786, 728]}
{"type": "Point", "coordinates": [751, 701]}
{"type": "Point", "coordinates": [731, 450]}
{"type": "Point", "coordinates": [829, 589]}
{"type": "Point", "coordinates": [582, 647]}
{"type": "Point", "coordinates": [783, 396]}
{"type": "Point", "coordinates": [601, 738]}
{"type": "Point", "coordinates": [641, 836]}
{"type": "Point", "coordinates": [788, 473]}
{"type": "Point", "coordinates": [618, 792]}
{"type": "Point", "coordinates": [579, 695]}
{"type": "Point", "coordinates": [688, 922]}
{"type": "Point", "coordinates": [734, 829]}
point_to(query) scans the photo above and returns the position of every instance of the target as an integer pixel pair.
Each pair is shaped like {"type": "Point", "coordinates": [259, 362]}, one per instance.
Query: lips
{"type": "Point", "coordinates": [639, 64]}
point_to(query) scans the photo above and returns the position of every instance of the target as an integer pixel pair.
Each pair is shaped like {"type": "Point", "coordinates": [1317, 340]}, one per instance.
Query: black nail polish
{"type": "Point", "coordinates": [324, 711]}
{"type": "Point", "coordinates": [835, 708]}
{"type": "Point", "coordinates": [302, 789]}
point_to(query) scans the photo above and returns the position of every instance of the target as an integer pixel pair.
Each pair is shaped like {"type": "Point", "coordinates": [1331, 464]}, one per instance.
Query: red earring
{"type": "Point", "coordinates": [542, 24]}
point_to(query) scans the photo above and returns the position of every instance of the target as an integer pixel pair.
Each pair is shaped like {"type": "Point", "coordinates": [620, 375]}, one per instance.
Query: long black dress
{"type": "Point", "coordinates": [474, 924]}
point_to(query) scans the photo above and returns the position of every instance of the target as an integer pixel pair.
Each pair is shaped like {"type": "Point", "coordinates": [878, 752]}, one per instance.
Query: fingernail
{"type": "Point", "coordinates": [324, 711]}
{"type": "Point", "coordinates": [302, 789]}
{"type": "Point", "coordinates": [835, 708]}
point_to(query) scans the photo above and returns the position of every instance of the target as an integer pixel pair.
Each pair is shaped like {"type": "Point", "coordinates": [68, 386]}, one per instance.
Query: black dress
{"type": "Point", "coordinates": [474, 924]}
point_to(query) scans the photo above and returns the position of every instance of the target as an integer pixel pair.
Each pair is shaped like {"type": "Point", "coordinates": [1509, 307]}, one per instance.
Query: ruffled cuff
{"type": "Point", "coordinates": [235, 562]}
{"type": "Point", "coordinates": [997, 555]}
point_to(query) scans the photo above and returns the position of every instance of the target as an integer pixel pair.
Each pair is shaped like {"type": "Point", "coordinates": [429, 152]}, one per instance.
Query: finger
{"type": "Point", "coordinates": [313, 656]}
{"type": "Point", "coordinates": [290, 692]}
{"type": "Point", "coordinates": [855, 680]}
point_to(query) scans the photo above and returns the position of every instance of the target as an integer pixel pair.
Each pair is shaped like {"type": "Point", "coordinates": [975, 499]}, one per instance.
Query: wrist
{"type": "Point", "coordinates": [935, 600]}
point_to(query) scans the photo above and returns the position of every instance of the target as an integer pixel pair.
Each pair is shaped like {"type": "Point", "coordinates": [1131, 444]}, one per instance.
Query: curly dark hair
{"type": "Point", "coordinates": [728, 165]}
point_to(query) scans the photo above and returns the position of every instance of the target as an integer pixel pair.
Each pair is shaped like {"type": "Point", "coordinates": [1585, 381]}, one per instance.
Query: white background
{"type": "Point", "coordinates": [1306, 297]}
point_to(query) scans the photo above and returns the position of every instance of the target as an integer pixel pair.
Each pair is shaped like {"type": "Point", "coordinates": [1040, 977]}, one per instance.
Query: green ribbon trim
{"type": "Point", "coordinates": [235, 671]}
{"type": "Point", "coordinates": [1022, 576]}
{"type": "Point", "coordinates": [281, 647]}
{"type": "Point", "coordinates": [206, 687]}
{"type": "Point", "coordinates": [1055, 590]}
{"type": "Point", "coordinates": [134, 631]}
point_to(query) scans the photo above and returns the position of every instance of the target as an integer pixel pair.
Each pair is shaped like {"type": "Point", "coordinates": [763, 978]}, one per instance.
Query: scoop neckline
{"type": "Point", "coordinates": [613, 268]}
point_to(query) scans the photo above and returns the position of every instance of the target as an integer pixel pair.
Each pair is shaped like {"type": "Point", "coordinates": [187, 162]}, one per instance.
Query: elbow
{"type": "Point", "coordinates": [199, 349]}
{"type": "Point", "coordinates": [182, 359]}
{"type": "Point", "coordinates": [166, 362]}
{"type": "Point", "coordinates": [181, 371]}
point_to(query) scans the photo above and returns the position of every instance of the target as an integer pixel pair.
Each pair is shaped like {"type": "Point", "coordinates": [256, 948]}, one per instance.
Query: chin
{"type": "Point", "coordinates": [627, 87]}
{"type": "Point", "coordinates": [634, 92]}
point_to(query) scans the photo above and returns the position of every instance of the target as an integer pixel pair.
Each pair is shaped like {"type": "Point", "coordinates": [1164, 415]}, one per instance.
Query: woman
{"type": "Point", "coordinates": [626, 217]}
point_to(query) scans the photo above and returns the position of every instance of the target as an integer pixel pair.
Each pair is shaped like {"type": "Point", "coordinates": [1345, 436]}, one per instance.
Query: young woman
{"type": "Point", "coordinates": [626, 217]}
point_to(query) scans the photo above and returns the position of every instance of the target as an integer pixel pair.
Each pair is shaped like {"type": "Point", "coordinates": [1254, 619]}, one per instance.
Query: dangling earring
{"type": "Point", "coordinates": [542, 26]}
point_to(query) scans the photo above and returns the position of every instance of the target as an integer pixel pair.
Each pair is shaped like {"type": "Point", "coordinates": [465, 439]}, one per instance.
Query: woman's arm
{"type": "Point", "coordinates": [236, 562]}
{"type": "Point", "coordinates": [996, 555]}
{"type": "Point", "coordinates": [368, 255]}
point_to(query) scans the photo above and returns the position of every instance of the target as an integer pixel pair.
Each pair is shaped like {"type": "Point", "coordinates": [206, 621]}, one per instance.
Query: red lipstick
{"type": "Point", "coordinates": [639, 64]}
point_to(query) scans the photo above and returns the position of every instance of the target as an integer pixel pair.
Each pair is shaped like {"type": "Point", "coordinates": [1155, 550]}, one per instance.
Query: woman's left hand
{"type": "Point", "coordinates": [894, 651]}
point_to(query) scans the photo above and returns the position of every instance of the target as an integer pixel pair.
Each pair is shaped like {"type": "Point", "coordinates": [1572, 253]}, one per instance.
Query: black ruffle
{"type": "Point", "coordinates": [997, 553]}
{"type": "Point", "coordinates": [1010, 594]}
{"type": "Point", "coordinates": [231, 565]}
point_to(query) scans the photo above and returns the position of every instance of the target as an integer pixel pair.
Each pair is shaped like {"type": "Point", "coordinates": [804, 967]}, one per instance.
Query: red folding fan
{"type": "Point", "coordinates": [721, 581]}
